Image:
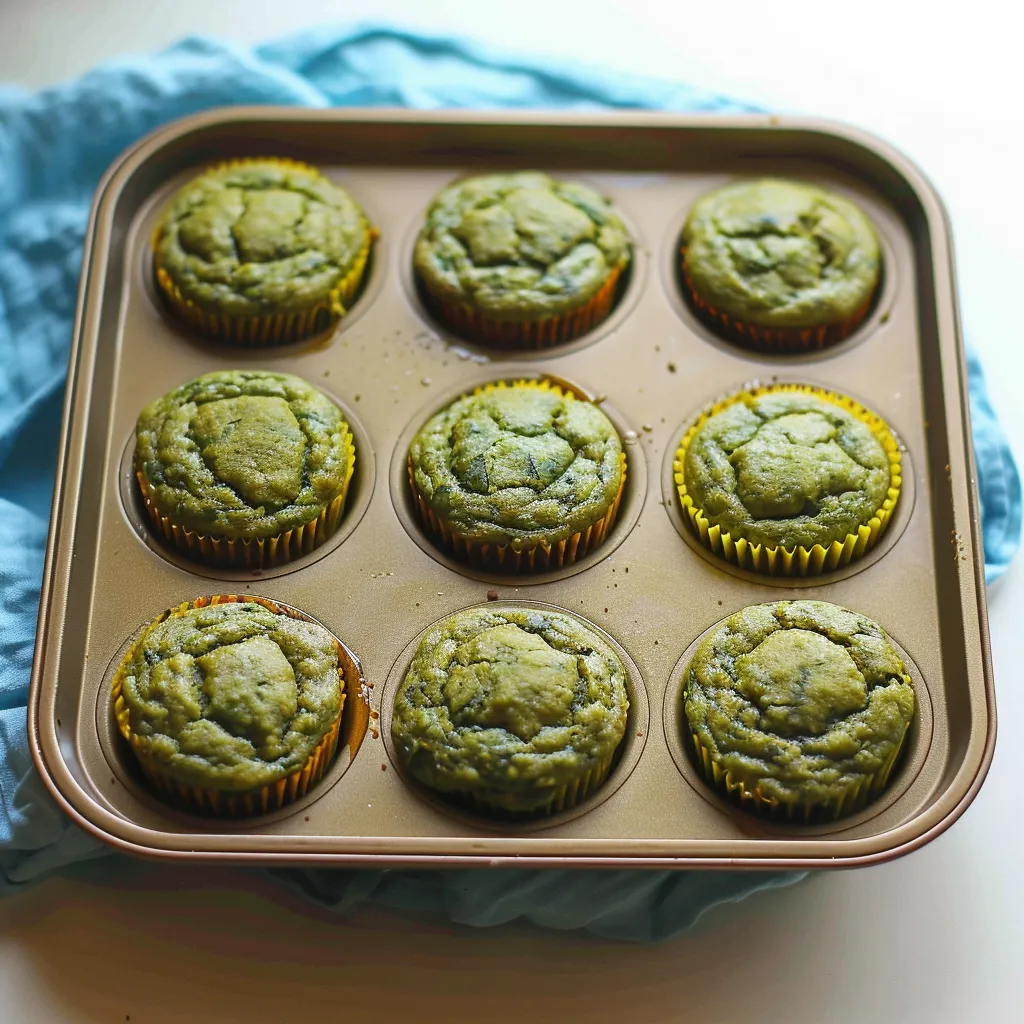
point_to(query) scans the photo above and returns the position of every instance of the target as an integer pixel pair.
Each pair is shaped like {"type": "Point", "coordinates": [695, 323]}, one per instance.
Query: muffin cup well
{"type": "Point", "coordinates": [219, 803]}
{"type": "Point", "coordinates": [797, 560]}
{"type": "Point", "coordinates": [530, 334]}
{"type": "Point", "coordinates": [517, 556]}
{"type": "Point", "coordinates": [269, 328]}
{"type": "Point", "coordinates": [256, 552]}
{"type": "Point", "coordinates": [746, 792]}
{"type": "Point", "coordinates": [774, 339]}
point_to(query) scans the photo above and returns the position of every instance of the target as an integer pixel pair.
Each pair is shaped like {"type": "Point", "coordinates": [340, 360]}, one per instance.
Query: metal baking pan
{"type": "Point", "coordinates": [379, 583]}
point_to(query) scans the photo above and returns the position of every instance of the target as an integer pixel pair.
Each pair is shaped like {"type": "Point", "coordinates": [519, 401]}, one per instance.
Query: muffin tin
{"type": "Point", "coordinates": [379, 582]}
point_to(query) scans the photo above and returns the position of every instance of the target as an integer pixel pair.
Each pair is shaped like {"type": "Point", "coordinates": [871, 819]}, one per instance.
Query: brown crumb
{"type": "Point", "coordinates": [306, 818]}
{"type": "Point", "coordinates": [375, 734]}
{"type": "Point", "coordinates": [492, 595]}
{"type": "Point", "coordinates": [383, 767]}
{"type": "Point", "coordinates": [719, 602]}
{"type": "Point", "coordinates": [606, 610]}
{"type": "Point", "coordinates": [374, 714]}
{"type": "Point", "coordinates": [639, 734]}
{"type": "Point", "coordinates": [357, 398]}
{"type": "Point", "coordinates": [671, 367]}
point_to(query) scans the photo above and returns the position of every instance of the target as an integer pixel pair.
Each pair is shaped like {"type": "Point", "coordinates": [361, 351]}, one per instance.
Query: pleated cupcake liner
{"type": "Point", "coordinates": [797, 560]}
{"type": "Point", "coordinates": [489, 803]}
{"type": "Point", "coordinates": [745, 791]}
{"type": "Point", "coordinates": [529, 334]}
{"type": "Point", "coordinates": [221, 803]}
{"type": "Point", "coordinates": [774, 339]}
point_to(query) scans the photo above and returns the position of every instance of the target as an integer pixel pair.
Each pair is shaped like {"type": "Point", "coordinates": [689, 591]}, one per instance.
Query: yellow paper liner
{"type": "Point", "coordinates": [553, 330]}
{"type": "Point", "coordinates": [799, 560]}
{"type": "Point", "coordinates": [256, 552]}
{"type": "Point", "coordinates": [515, 557]}
{"type": "Point", "coordinates": [746, 792]}
{"type": "Point", "coordinates": [271, 328]}
{"type": "Point", "coordinates": [775, 339]}
{"type": "Point", "coordinates": [562, 799]}
{"type": "Point", "coordinates": [218, 803]}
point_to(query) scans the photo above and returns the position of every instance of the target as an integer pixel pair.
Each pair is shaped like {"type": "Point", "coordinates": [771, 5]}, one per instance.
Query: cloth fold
{"type": "Point", "coordinates": [54, 146]}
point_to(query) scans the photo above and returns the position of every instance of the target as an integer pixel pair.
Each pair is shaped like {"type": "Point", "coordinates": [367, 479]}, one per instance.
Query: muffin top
{"type": "Point", "coordinates": [232, 696]}
{"type": "Point", "coordinates": [518, 463]}
{"type": "Point", "coordinates": [786, 468]}
{"type": "Point", "coordinates": [519, 246]}
{"type": "Point", "coordinates": [781, 254]}
{"type": "Point", "coordinates": [259, 237]}
{"type": "Point", "coordinates": [804, 696]}
{"type": "Point", "coordinates": [243, 453]}
{"type": "Point", "coordinates": [509, 703]}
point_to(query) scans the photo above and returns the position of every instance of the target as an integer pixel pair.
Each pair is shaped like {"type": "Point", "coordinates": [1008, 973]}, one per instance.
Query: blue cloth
{"type": "Point", "coordinates": [54, 145]}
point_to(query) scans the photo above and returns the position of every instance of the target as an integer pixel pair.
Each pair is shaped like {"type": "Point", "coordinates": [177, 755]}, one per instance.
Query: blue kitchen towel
{"type": "Point", "coordinates": [54, 145]}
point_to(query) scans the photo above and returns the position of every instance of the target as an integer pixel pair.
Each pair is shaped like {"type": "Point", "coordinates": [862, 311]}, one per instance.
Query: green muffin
{"type": "Point", "coordinates": [231, 705]}
{"type": "Point", "coordinates": [520, 259]}
{"type": "Point", "coordinates": [244, 467]}
{"type": "Point", "coordinates": [779, 264]}
{"type": "Point", "coordinates": [788, 479]}
{"type": "Point", "coordinates": [521, 476]}
{"type": "Point", "coordinates": [798, 708]}
{"type": "Point", "coordinates": [261, 251]}
{"type": "Point", "coordinates": [513, 710]}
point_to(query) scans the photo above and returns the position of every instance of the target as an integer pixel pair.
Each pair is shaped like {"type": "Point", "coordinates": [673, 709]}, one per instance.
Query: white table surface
{"type": "Point", "coordinates": [934, 937]}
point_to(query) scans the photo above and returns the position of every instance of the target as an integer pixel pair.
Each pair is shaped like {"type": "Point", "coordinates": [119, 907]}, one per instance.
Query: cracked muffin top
{"type": "Point", "coordinates": [231, 696]}
{"type": "Point", "coordinates": [510, 704]}
{"type": "Point", "coordinates": [803, 700]}
{"type": "Point", "coordinates": [243, 453]}
{"type": "Point", "coordinates": [518, 462]}
{"type": "Point", "coordinates": [780, 254]}
{"type": "Point", "coordinates": [785, 468]}
{"type": "Point", "coordinates": [258, 237]}
{"type": "Point", "coordinates": [520, 246]}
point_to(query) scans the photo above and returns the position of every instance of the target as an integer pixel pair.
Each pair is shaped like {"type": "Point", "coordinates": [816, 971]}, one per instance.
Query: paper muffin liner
{"type": "Point", "coordinates": [516, 556]}
{"type": "Point", "coordinates": [489, 803]}
{"type": "Point", "coordinates": [270, 328]}
{"type": "Point", "coordinates": [535, 334]}
{"type": "Point", "coordinates": [745, 791]}
{"type": "Point", "coordinates": [255, 552]}
{"type": "Point", "coordinates": [215, 802]}
{"type": "Point", "coordinates": [775, 339]}
{"type": "Point", "coordinates": [798, 560]}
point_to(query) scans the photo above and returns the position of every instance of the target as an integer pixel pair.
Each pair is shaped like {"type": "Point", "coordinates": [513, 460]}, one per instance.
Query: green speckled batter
{"type": "Point", "coordinates": [509, 705]}
{"type": "Point", "coordinates": [520, 246]}
{"type": "Point", "coordinates": [517, 465]}
{"type": "Point", "coordinates": [802, 698]}
{"type": "Point", "coordinates": [786, 469]}
{"type": "Point", "coordinates": [781, 254]}
{"type": "Point", "coordinates": [260, 237]}
{"type": "Point", "coordinates": [231, 697]}
{"type": "Point", "coordinates": [242, 453]}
